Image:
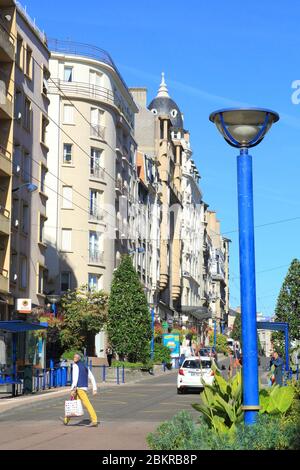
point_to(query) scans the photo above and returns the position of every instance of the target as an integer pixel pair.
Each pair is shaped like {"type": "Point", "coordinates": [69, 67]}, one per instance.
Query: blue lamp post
{"type": "Point", "coordinates": [245, 128]}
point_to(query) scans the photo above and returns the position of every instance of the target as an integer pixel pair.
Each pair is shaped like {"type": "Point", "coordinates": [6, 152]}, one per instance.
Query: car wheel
{"type": "Point", "coordinates": [179, 391]}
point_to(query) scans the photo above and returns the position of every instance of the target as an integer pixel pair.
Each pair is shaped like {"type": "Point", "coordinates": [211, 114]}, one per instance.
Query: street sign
{"type": "Point", "coordinates": [173, 343]}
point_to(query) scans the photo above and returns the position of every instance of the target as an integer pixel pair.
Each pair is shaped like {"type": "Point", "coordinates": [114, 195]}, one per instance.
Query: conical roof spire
{"type": "Point", "coordinates": [163, 90]}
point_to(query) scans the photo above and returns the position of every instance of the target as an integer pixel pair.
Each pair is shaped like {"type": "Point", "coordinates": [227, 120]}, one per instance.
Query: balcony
{"type": "Point", "coordinates": [7, 45]}
{"type": "Point", "coordinates": [97, 173]}
{"type": "Point", "coordinates": [5, 161]}
{"type": "Point", "coordinates": [91, 92]}
{"type": "Point", "coordinates": [4, 280]}
{"type": "Point", "coordinates": [97, 131]}
{"type": "Point", "coordinates": [6, 102]}
{"type": "Point", "coordinates": [4, 221]}
{"type": "Point", "coordinates": [96, 257]}
{"type": "Point", "coordinates": [96, 215]}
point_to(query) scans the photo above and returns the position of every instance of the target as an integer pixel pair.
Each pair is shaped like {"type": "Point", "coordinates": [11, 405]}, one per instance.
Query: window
{"type": "Point", "coordinates": [67, 193]}
{"type": "Point", "coordinates": [27, 115]}
{"type": "Point", "coordinates": [28, 62]}
{"type": "Point", "coordinates": [65, 281]}
{"type": "Point", "coordinates": [18, 105]}
{"type": "Point", "coordinates": [17, 159]}
{"type": "Point", "coordinates": [41, 229]}
{"type": "Point", "coordinates": [19, 51]}
{"type": "Point", "coordinates": [94, 247]}
{"type": "Point", "coordinates": [68, 153]}
{"type": "Point", "coordinates": [95, 169]}
{"type": "Point", "coordinates": [42, 279]}
{"type": "Point", "coordinates": [66, 239]}
{"type": "Point", "coordinates": [45, 85]}
{"type": "Point", "coordinates": [68, 74]}
{"type": "Point", "coordinates": [97, 129]}
{"type": "Point", "coordinates": [95, 78]}
{"type": "Point", "coordinates": [68, 114]}
{"type": "Point", "coordinates": [15, 213]}
{"type": "Point", "coordinates": [44, 129]}
{"type": "Point", "coordinates": [95, 213]}
{"type": "Point", "coordinates": [94, 282]}
{"type": "Point", "coordinates": [43, 178]}
{"type": "Point", "coordinates": [23, 272]}
{"type": "Point", "coordinates": [25, 217]}
{"type": "Point", "coordinates": [26, 170]}
{"type": "Point", "coordinates": [14, 267]}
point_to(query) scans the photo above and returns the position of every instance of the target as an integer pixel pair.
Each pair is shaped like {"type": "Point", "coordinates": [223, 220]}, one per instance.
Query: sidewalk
{"type": "Point", "coordinates": [13, 402]}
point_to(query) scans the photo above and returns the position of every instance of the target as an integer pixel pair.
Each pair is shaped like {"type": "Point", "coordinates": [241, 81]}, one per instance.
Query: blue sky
{"type": "Point", "coordinates": [214, 54]}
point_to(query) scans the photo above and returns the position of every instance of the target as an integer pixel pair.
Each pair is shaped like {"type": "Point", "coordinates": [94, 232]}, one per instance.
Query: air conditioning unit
{"type": "Point", "coordinates": [23, 305]}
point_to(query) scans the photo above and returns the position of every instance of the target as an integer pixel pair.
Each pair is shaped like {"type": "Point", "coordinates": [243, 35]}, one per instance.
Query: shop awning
{"type": "Point", "coordinates": [18, 326]}
{"type": "Point", "coordinates": [200, 313]}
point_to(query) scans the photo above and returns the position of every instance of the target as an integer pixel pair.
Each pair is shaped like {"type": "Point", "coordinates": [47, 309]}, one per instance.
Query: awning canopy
{"type": "Point", "coordinates": [200, 313]}
{"type": "Point", "coordinates": [18, 326]}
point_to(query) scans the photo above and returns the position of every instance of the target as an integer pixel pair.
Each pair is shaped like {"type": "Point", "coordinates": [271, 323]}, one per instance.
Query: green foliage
{"type": "Point", "coordinates": [221, 405]}
{"type": "Point", "coordinates": [221, 342]}
{"type": "Point", "coordinates": [181, 433]}
{"type": "Point", "coordinates": [84, 315]}
{"type": "Point", "coordinates": [288, 306]}
{"type": "Point", "coordinates": [161, 354]}
{"type": "Point", "coordinates": [129, 319]}
{"type": "Point", "coordinates": [68, 355]}
{"type": "Point", "coordinates": [276, 400]}
{"type": "Point", "coordinates": [236, 333]}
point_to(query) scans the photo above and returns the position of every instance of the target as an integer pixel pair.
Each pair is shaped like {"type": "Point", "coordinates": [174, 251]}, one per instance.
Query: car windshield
{"type": "Point", "coordinates": [191, 364]}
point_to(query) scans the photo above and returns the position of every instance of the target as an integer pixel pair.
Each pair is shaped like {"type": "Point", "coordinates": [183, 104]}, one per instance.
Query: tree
{"type": "Point", "coordinates": [84, 315]}
{"type": "Point", "coordinates": [237, 333]}
{"type": "Point", "coordinates": [288, 306]}
{"type": "Point", "coordinates": [129, 319]}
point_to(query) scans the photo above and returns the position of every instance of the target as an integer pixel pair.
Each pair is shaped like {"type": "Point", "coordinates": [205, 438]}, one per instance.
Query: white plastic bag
{"type": "Point", "coordinates": [73, 408]}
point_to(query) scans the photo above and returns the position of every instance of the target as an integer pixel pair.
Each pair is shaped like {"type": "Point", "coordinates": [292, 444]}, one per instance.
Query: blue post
{"type": "Point", "coordinates": [123, 375]}
{"type": "Point", "coordinates": [215, 333]}
{"type": "Point", "coordinates": [51, 373]}
{"type": "Point", "coordinates": [248, 288]}
{"type": "Point", "coordinates": [103, 372]}
{"type": "Point", "coordinates": [64, 376]}
{"type": "Point", "coordinates": [37, 380]}
{"type": "Point", "coordinates": [152, 340]}
{"type": "Point", "coordinates": [118, 377]}
{"type": "Point", "coordinates": [91, 364]}
{"type": "Point", "coordinates": [59, 378]}
{"type": "Point", "coordinates": [297, 372]}
{"type": "Point", "coordinates": [287, 344]}
{"type": "Point", "coordinates": [44, 379]}
{"type": "Point", "coordinates": [53, 306]}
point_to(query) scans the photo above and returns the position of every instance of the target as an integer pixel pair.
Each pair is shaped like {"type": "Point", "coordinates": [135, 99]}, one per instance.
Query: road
{"type": "Point", "coordinates": [127, 413]}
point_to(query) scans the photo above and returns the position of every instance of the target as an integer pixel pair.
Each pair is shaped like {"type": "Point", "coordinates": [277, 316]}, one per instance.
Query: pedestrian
{"type": "Point", "coordinates": [79, 387]}
{"type": "Point", "coordinates": [278, 363]}
{"type": "Point", "coordinates": [109, 355]}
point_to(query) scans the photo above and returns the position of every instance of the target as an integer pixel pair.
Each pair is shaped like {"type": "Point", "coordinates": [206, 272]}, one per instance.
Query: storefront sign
{"type": "Point", "coordinates": [173, 343]}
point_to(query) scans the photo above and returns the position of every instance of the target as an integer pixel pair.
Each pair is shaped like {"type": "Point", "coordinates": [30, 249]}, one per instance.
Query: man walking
{"type": "Point", "coordinates": [81, 376]}
{"type": "Point", "coordinates": [278, 363]}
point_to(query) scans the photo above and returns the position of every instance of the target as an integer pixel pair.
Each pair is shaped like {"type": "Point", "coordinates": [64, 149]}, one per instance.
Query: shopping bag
{"type": "Point", "coordinates": [73, 408]}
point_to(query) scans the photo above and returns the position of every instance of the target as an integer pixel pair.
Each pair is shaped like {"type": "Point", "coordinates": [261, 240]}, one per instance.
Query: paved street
{"type": "Point", "coordinates": [127, 414]}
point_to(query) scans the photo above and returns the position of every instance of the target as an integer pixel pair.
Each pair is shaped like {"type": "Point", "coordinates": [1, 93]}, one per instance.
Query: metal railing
{"type": "Point", "coordinates": [97, 131]}
{"type": "Point", "coordinates": [97, 172]}
{"type": "Point", "coordinates": [5, 153]}
{"type": "Point", "coordinates": [84, 50]}
{"type": "Point", "coordinates": [96, 214]}
{"type": "Point", "coordinates": [10, 37]}
{"type": "Point", "coordinates": [4, 212]}
{"type": "Point", "coordinates": [40, 33]}
{"type": "Point", "coordinates": [96, 257]}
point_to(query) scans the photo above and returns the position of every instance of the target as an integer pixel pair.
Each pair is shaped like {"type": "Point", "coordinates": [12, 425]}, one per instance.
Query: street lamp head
{"type": "Point", "coordinates": [243, 127]}
{"type": "Point", "coordinates": [31, 187]}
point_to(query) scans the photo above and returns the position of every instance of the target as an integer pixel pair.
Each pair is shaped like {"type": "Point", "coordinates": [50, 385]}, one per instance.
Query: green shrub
{"type": "Point", "coordinates": [182, 433]}
{"type": "Point", "coordinates": [127, 365]}
{"type": "Point", "coordinates": [161, 354]}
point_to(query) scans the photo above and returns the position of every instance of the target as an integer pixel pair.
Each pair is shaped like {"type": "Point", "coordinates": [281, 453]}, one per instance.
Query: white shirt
{"type": "Point", "coordinates": [76, 376]}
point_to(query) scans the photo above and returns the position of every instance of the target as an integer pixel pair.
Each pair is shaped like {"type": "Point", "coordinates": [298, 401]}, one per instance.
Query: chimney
{"type": "Point", "coordinates": [140, 96]}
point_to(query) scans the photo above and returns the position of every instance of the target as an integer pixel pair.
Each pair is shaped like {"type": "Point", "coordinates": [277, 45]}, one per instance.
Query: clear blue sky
{"type": "Point", "coordinates": [214, 54]}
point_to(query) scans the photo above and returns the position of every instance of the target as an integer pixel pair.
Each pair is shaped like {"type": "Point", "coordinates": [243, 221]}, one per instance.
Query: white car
{"type": "Point", "coordinates": [192, 371]}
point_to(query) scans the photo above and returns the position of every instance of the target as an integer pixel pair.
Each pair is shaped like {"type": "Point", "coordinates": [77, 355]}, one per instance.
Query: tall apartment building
{"type": "Point", "coordinates": [7, 70]}
{"type": "Point", "coordinates": [192, 233]}
{"type": "Point", "coordinates": [30, 162]}
{"type": "Point", "coordinates": [92, 169]}
{"type": "Point", "coordinates": [217, 271]}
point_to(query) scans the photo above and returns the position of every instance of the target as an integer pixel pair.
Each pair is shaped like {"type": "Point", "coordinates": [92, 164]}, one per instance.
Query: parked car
{"type": "Point", "coordinates": [193, 371]}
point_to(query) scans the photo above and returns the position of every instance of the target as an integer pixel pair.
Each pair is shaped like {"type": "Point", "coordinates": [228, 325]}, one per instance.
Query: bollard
{"type": "Point", "coordinates": [123, 375]}
{"type": "Point", "coordinates": [103, 373]}
{"type": "Point", "coordinates": [297, 372]}
{"type": "Point", "coordinates": [44, 379]}
{"type": "Point", "coordinates": [37, 380]}
{"type": "Point", "coordinates": [118, 378]}
{"type": "Point", "coordinates": [51, 373]}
